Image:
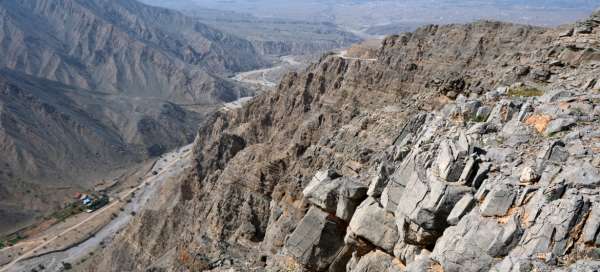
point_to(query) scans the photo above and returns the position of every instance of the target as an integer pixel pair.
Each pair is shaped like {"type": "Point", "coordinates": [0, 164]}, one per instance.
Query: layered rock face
{"type": "Point", "coordinates": [462, 148]}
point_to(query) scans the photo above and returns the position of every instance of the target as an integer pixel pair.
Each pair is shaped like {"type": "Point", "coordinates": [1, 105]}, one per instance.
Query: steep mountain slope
{"type": "Point", "coordinates": [118, 46]}
{"type": "Point", "coordinates": [427, 163]}
{"type": "Point", "coordinates": [93, 86]}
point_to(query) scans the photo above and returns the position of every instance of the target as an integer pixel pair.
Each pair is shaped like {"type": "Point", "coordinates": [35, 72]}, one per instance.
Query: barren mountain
{"type": "Point", "coordinates": [276, 36]}
{"type": "Point", "coordinates": [460, 148]}
{"type": "Point", "coordinates": [89, 87]}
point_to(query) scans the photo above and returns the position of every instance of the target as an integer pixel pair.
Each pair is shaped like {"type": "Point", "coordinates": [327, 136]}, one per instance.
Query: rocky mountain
{"type": "Point", "coordinates": [461, 148]}
{"type": "Point", "coordinates": [275, 36]}
{"type": "Point", "coordinates": [89, 87]}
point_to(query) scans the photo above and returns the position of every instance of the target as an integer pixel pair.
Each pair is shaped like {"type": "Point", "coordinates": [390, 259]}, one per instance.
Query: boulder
{"type": "Point", "coordinates": [316, 241]}
{"type": "Point", "coordinates": [425, 207]}
{"type": "Point", "coordinates": [350, 194]}
{"type": "Point", "coordinates": [404, 174]}
{"type": "Point", "coordinates": [374, 224]}
{"type": "Point", "coordinates": [322, 191]}
{"type": "Point", "coordinates": [528, 175]}
{"type": "Point", "coordinates": [502, 112]}
{"type": "Point", "coordinates": [451, 159]}
{"type": "Point", "coordinates": [554, 151]}
{"type": "Point", "coordinates": [474, 242]}
{"type": "Point", "coordinates": [423, 263]}
{"type": "Point", "coordinates": [550, 232]}
{"type": "Point", "coordinates": [558, 125]}
{"type": "Point", "coordinates": [377, 261]}
{"type": "Point", "coordinates": [592, 226]}
{"type": "Point", "coordinates": [380, 180]}
{"type": "Point", "coordinates": [469, 171]}
{"type": "Point", "coordinates": [339, 196]}
{"type": "Point", "coordinates": [584, 175]}
{"type": "Point", "coordinates": [407, 252]}
{"type": "Point", "coordinates": [461, 208]}
{"type": "Point", "coordinates": [498, 200]}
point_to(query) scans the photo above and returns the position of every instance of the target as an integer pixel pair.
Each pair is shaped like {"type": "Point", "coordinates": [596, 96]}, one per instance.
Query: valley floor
{"type": "Point", "coordinates": [80, 236]}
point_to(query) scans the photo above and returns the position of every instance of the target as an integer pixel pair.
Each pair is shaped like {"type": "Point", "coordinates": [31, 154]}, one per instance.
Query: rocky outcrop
{"type": "Point", "coordinates": [444, 135]}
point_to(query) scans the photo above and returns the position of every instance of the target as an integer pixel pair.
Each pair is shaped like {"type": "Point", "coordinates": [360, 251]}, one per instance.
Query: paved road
{"type": "Point", "coordinates": [343, 54]}
{"type": "Point", "coordinates": [174, 165]}
{"type": "Point", "coordinates": [259, 77]}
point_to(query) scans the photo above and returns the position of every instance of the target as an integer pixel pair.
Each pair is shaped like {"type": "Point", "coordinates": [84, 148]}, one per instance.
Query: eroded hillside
{"type": "Point", "coordinates": [89, 87]}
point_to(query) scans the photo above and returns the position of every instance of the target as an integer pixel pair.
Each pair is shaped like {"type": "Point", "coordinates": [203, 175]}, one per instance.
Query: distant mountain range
{"type": "Point", "coordinates": [87, 87]}
{"type": "Point", "coordinates": [363, 14]}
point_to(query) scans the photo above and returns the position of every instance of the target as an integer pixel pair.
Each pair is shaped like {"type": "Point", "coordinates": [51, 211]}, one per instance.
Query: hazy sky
{"type": "Point", "coordinates": [361, 13]}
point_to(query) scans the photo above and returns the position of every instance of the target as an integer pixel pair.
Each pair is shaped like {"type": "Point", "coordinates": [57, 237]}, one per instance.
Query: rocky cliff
{"type": "Point", "coordinates": [461, 148]}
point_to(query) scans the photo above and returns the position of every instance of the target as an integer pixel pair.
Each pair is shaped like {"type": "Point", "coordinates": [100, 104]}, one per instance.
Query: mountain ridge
{"type": "Point", "coordinates": [310, 177]}
{"type": "Point", "coordinates": [92, 87]}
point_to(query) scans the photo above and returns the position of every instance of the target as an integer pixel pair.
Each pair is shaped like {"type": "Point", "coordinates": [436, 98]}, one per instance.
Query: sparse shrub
{"type": "Point", "coordinates": [525, 91]}
{"type": "Point", "coordinates": [67, 266]}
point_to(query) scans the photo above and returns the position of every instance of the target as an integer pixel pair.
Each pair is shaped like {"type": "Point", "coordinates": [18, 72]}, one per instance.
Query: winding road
{"type": "Point", "coordinates": [166, 168]}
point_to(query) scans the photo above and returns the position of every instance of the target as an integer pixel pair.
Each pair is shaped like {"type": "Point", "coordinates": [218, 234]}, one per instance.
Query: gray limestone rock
{"type": "Point", "coordinates": [473, 243]}
{"type": "Point", "coordinates": [502, 112]}
{"type": "Point", "coordinates": [498, 200]}
{"type": "Point", "coordinates": [317, 240]}
{"type": "Point", "coordinates": [551, 230]}
{"type": "Point", "coordinates": [451, 159]}
{"type": "Point", "coordinates": [322, 191]}
{"type": "Point", "coordinates": [469, 171]}
{"type": "Point", "coordinates": [425, 207]}
{"type": "Point", "coordinates": [377, 261]}
{"type": "Point", "coordinates": [380, 180]}
{"type": "Point", "coordinates": [592, 226]}
{"type": "Point", "coordinates": [395, 188]}
{"type": "Point", "coordinates": [461, 208]}
{"type": "Point", "coordinates": [559, 125]}
{"type": "Point", "coordinates": [553, 151]}
{"type": "Point", "coordinates": [374, 224]}
{"type": "Point", "coordinates": [481, 174]}
{"type": "Point", "coordinates": [407, 252]}
{"type": "Point", "coordinates": [584, 175]}
{"type": "Point", "coordinates": [422, 263]}
{"type": "Point", "coordinates": [339, 196]}
{"type": "Point", "coordinates": [554, 95]}
{"type": "Point", "coordinates": [351, 194]}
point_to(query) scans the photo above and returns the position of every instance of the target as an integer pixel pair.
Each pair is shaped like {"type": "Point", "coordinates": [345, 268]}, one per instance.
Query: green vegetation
{"type": "Point", "coordinates": [525, 91]}
{"type": "Point", "coordinates": [99, 203]}
{"type": "Point", "coordinates": [70, 210]}
{"type": "Point", "coordinates": [10, 240]}
{"type": "Point", "coordinates": [578, 111]}
{"type": "Point", "coordinates": [67, 266]}
{"type": "Point", "coordinates": [479, 119]}
{"type": "Point", "coordinates": [78, 207]}
{"type": "Point", "coordinates": [15, 239]}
